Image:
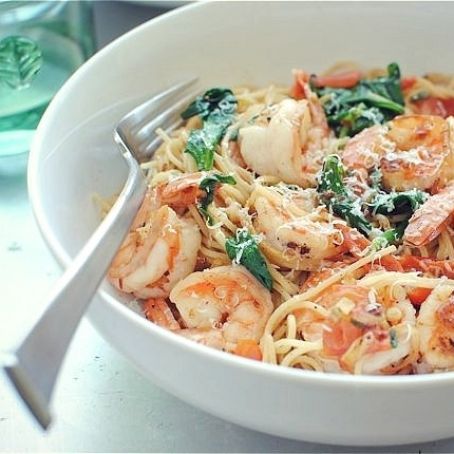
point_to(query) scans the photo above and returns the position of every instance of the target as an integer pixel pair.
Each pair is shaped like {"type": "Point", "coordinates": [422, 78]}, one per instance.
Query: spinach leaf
{"type": "Point", "coordinates": [398, 202]}
{"type": "Point", "coordinates": [365, 93]}
{"type": "Point", "coordinates": [370, 102]}
{"type": "Point", "coordinates": [402, 203]}
{"type": "Point", "coordinates": [331, 178]}
{"type": "Point", "coordinates": [215, 99]}
{"type": "Point", "coordinates": [217, 108]}
{"type": "Point", "coordinates": [388, 87]}
{"type": "Point", "coordinates": [202, 144]}
{"type": "Point", "coordinates": [338, 198]}
{"type": "Point", "coordinates": [350, 211]}
{"type": "Point", "coordinates": [354, 119]}
{"type": "Point", "coordinates": [345, 204]}
{"type": "Point", "coordinates": [389, 237]}
{"type": "Point", "coordinates": [243, 249]}
{"type": "Point", "coordinates": [209, 184]}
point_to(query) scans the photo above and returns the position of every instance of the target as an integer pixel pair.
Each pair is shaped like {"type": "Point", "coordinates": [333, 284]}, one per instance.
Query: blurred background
{"type": "Point", "coordinates": [41, 44]}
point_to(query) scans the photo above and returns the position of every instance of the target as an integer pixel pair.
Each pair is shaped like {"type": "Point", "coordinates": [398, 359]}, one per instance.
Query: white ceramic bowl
{"type": "Point", "coordinates": [227, 44]}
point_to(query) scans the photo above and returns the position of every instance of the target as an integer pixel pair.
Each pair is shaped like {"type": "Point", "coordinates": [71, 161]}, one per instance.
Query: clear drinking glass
{"type": "Point", "coordinates": [41, 44]}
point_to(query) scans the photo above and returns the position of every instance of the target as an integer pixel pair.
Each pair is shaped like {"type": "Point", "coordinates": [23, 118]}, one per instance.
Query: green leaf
{"type": "Point", "coordinates": [351, 212]}
{"type": "Point", "coordinates": [331, 177]}
{"type": "Point", "coordinates": [217, 108]}
{"type": "Point", "coordinates": [370, 102]}
{"type": "Point", "coordinates": [389, 237]}
{"type": "Point", "coordinates": [365, 94]}
{"type": "Point", "coordinates": [202, 144]}
{"type": "Point", "coordinates": [388, 86]}
{"type": "Point", "coordinates": [406, 202]}
{"type": "Point", "coordinates": [20, 61]}
{"type": "Point", "coordinates": [215, 99]}
{"type": "Point", "coordinates": [243, 249]}
{"type": "Point", "coordinates": [357, 118]}
{"type": "Point", "coordinates": [209, 184]}
{"type": "Point", "coordinates": [335, 195]}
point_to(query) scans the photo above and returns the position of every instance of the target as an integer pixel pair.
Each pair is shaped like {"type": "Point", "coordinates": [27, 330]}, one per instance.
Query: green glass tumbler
{"type": "Point", "coordinates": [41, 44]}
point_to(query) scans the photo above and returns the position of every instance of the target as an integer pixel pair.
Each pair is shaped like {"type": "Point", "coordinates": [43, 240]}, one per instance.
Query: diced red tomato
{"type": "Point", "coordinates": [407, 82]}
{"type": "Point", "coordinates": [419, 295]}
{"type": "Point", "coordinates": [391, 263]}
{"type": "Point", "coordinates": [347, 79]}
{"type": "Point", "coordinates": [338, 337]}
{"type": "Point", "coordinates": [435, 106]}
{"type": "Point", "coordinates": [299, 88]}
{"type": "Point", "coordinates": [425, 264]}
{"type": "Point", "coordinates": [410, 262]}
{"type": "Point", "coordinates": [248, 348]}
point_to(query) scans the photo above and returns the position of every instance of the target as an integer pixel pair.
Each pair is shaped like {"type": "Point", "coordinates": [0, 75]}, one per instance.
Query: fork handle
{"type": "Point", "coordinates": [34, 366]}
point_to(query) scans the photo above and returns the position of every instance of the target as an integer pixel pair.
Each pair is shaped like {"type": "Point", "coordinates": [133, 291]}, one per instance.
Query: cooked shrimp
{"type": "Point", "coordinates": [356, 332]}
{"type": "Point", "coordinates": [182, 191]}
{"type": "Point", "coordinates": [412, 151]}
{"type": "Point", "coordinates": [158, 311]}
{"type": "Point", "coordinates": [286, 141]}
{"type": "Point", "coordinates": [382, 351]}
{"type": "Point", "coordinates": [178, 193]}
{"type": "Point", "coordinates": [210, 337]}
{"type": "Point", "coordinates": [423, 153]}
{"type": "Point", "coordinates": [149, 204]}
{"type": "Point", "coordinates": [364, 150]}
{"type": "Point", "coordinates": [431, 218]}
{"type": "Point", "coordinates": [336, 329]}
{"type": "Point", "coordinates": [155, 257]}
{"type": "Point", "coordinates": [296, 235]}
{"type": "Point", "coordinates": [435, 324]}
{"type": "Point", "coordinates": [226, 301]}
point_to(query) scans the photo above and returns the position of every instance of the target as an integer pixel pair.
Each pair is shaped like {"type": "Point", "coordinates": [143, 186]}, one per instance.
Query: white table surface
{"type": "Point", "coordinates": [102, 403]}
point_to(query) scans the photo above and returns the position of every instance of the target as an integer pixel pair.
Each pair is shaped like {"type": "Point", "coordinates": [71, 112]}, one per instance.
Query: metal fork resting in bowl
{"type": "Point", "coordinates": [34, 366]}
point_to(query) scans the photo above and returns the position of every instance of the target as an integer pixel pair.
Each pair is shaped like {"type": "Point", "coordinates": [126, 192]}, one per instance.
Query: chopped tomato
{"type": "Point", "coordinates": [449, 106]}
{"type": "Point", "coordinates": [427, 265]}
{"type": "Point", "coordinates": [419, 295]}
{"type": "Point", "coordinates": [299, 89]}
{"type": "Point", "coordinates": [248, 348]}
{"type": "Point", "coordinates": [347, 79]}
{"type": "Point", "coordinates": [435, 106]}
{"type": "Point", "coordinates": [338, 337]}
{"type": "Point", "coordinates": [391, 263]}
{"type": "Point", "coordinates": [410, 262]}
{"type": "Point", "coordinates": [407, 82]}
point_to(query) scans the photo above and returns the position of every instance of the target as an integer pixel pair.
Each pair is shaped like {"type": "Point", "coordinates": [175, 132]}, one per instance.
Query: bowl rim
{"type": "Point", "coordinates": [138, 322]}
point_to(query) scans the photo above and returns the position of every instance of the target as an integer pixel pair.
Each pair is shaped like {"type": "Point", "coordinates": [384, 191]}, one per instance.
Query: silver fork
{"type": "Point", "coordinates": [33, 367]}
